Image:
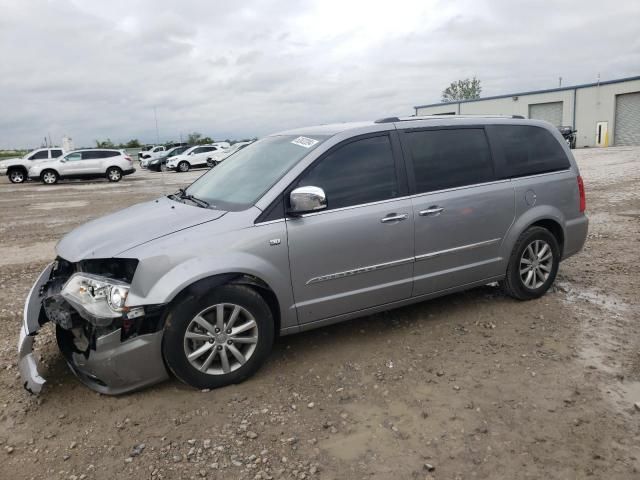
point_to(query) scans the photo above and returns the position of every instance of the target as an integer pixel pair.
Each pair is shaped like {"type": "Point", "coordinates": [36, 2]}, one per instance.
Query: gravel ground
{"type": "Point", "coordinates": [472, 385]}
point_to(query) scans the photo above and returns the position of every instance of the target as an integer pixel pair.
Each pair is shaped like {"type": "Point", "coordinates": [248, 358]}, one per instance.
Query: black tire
{"type": "Point", "coordinates": [17, 175]}
{"type": "Point", "coordinates": [114, 174]}
{"type": "Point", "coordinates": [180, 317]}
{"type": "Point", "coordinates": [513, 284]}
{"type": "Point", "coordinates": [49, 177]}
{"type": "Point", "coordinates": [183, 167]}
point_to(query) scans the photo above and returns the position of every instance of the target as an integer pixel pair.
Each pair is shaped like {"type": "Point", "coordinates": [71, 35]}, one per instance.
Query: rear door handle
{"type": "Point", "coordinates": [433, 210]}
{"type": "Point", "coordinates": [393, 217]}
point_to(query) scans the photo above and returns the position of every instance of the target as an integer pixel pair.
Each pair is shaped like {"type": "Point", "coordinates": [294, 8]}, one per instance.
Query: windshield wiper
{"type": "Point", "coordinates": [182, 193]}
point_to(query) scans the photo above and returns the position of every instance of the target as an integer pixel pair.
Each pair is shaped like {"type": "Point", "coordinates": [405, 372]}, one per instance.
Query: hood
{"type": "Point", "coordinates": [7, 162]}
{"type": "Point", "coordinates": [110, 235]}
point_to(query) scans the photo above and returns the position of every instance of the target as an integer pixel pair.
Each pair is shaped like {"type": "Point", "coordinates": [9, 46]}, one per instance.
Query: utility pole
{"type": "Point", "coordinates": [155, 115]}
{"type": "Point", "coordinates": [559, 81]}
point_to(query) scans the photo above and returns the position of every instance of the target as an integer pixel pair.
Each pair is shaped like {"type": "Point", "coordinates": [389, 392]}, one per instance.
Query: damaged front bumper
{"type": "Point", "coordinates": [112, 359]}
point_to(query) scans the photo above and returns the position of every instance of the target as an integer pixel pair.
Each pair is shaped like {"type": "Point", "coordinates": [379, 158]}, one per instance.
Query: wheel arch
{"type": "Point", "coordinates": [17, 167]}
{"type": "Point", "coordinates": [200, 285]}
{"type": "Point", "coordinates": [544, 216]}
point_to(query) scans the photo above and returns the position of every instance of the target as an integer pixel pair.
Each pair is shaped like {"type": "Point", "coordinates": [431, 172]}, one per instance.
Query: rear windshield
{"type": "Point", "coordinates": [240, 181]}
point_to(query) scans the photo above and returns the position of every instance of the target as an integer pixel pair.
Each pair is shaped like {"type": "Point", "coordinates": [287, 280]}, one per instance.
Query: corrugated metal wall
{"type": "Point", "coordinates": [549, 112]}
{"type": "Point", "coordinates": [627, 126]}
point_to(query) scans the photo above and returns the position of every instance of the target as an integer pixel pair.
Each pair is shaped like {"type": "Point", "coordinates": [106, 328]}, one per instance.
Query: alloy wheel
{"type": "Point", "coordinates": [114, 175]}
{"type": "Point", "coordinates": [221, 339]}
{"type": "Point", "coordinates": [16, 176]}
{"type": "Point", "coordinates": [49, 178]}
{"type": "Point", "coordinates": [536, 264]}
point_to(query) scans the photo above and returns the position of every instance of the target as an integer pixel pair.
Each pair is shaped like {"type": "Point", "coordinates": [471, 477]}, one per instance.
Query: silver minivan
{"type": "Point", "coordinates": [303, 229]}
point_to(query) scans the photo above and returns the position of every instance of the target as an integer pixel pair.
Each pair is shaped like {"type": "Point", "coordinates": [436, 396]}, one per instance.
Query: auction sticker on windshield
{"type": "Point", "coordinates": [304, 142]}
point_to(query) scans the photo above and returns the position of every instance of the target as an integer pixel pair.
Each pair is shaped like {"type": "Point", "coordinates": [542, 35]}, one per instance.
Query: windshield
{"type": "Point", "coordinates": [236, 184]}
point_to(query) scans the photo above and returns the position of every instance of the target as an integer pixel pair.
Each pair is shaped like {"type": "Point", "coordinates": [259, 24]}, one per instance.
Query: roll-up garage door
{"type": "Point", "coordinates": [549, 112]}
{"type": "Point", "coordinates": [627, 127]}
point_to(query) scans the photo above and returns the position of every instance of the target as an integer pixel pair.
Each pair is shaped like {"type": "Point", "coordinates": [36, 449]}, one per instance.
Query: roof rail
{"type": "Point", "coordinates": [435, 117]}
{"type": "Point", "coordinates": [387, 120]}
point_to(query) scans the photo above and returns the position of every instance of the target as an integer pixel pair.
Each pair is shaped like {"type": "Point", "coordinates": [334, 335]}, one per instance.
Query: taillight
{"type": "Point", "coordinates": [128, 158]}
{"type": "Point", "coordinates": [583, 198]}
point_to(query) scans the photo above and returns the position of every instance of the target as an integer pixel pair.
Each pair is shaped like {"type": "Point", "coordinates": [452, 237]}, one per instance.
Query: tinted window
{"type": "Point", "coordinates": [195, 151]}
{"type": "Point", "coordinates": [40, 155]}
{"type": "Point", "coordinates": [91, 155]}
{"type": "Point", "coordinates": [209, 149]}
{"type": "Point", "coordinates": [358, 172]}
{"type": "Point", "coordinates": [108, 154]}
{"type": "Point", "coordinates": [56, 153]}
{"type": "Point", "coordinates": [528, 150]}
{"type": "Point", "coordinates": [449, 158]}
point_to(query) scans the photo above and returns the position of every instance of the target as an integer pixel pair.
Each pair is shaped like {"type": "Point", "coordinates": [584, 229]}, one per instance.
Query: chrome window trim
{"type": "Point", "coordinates": [419, 195]}
{"type": "Point", "coordinates": [357, 271]}
{"type": "Point", "coordinates": [269, 222]}
{"type": "Point", "coordinates": [544, 174]}
{"type": "Point", "coordinates": [470, 246]}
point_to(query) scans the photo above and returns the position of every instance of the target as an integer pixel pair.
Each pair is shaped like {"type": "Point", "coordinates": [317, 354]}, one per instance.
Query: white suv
{"type": "Point", "coordinates": [17, 169]}
{"type": "Point", "coordinates": [88, 163]}
{"type": "Point", "coordinates": [194, 157]}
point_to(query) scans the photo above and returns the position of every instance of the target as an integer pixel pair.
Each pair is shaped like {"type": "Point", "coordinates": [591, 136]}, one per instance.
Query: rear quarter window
{"type": "Point", "coordinates": [527, 150]}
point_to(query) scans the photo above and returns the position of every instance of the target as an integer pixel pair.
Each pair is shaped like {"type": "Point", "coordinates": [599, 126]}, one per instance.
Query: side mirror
{"type": "Point", "coordinates": [306, 200]}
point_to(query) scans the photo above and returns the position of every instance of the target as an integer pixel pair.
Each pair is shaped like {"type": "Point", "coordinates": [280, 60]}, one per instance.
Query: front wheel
{"type": "Point", "coordinates": [183, 166]}
{"type": "Point", "coordinates": [49, 177]}
{"type": "Point", "coordinates": [114, 174]}
{"type": "Point", "coordinates": [533, 264]}
{"type": "Point", "coordinates": [17, 176]}
{"type": "Point", "coordinates": [218, 338]}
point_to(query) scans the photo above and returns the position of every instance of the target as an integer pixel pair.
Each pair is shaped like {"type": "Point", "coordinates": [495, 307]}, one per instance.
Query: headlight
{"type": "Point", "coordinates": [100, 296]}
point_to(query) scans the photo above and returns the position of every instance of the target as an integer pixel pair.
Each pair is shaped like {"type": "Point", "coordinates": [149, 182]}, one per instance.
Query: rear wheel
{"type": "Point", "coordinates": [220, 338]}
{"type": "Point", "coordinates": [533, 264]}
{"type": "Point", "coordinates": [183, 166]}
{"type": "Point", "coordinates": [17, 175]}
{"type": "Point", "coordinates": [49, 177]}
{"type": "Point", "coordinates": [114, 174]}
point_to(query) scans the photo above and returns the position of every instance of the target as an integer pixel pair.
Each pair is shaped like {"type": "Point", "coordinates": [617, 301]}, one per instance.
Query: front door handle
{"type": "Point", "coordinates": [433, 210]}
{"type": "Point", "coordinates": [393, 217]}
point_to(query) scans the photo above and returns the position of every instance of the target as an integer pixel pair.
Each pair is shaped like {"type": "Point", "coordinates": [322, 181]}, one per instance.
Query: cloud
{"type": "Point", "coordinates": [97, 69]}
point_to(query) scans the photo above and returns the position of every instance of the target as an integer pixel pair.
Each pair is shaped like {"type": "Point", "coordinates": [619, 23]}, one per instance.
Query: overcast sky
{"type": "Point", "coordinates": [96, 69]}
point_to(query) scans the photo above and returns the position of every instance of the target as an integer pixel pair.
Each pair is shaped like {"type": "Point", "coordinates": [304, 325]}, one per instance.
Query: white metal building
{"type": "Point", "coordinates": [604, 113]}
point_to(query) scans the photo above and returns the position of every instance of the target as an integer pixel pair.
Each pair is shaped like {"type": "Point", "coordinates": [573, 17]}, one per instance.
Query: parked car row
{"type": "Point", "coordinates": [184, 158]}
{"type": "Point", "coordinates": [52, 164]}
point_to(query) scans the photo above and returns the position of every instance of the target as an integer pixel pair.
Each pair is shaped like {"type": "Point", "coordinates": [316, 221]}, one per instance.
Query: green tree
{"type": "Point", "coordinates": [133, 143]}
{"type": "Point", "coordinates": [205, 140]}
{"type": "Point", "coordinates": [466, 89]}
{"type": "Point", "coordinates": [105, 143]}
{"type": "Point", "coordinates": [194, 138]}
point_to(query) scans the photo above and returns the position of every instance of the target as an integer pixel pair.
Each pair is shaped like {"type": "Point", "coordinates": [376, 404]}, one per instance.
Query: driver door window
{"type": "Point", "coordinates": [43, 155]}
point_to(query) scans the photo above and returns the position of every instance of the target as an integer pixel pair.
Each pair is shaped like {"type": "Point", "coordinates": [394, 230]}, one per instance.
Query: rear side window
{"type": "Point", "coordinates": [91, 155]}
{"type": "Point", "coordinates": [107, 154]}
{"type": "Point", "coordinates": [359, 172]}
{"type": "Point", "coordinates": [528, 150]}
{"type": "Point", "coordinates": [449, 158]}
{"type": "Point", "coordinates": [56, 153]}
